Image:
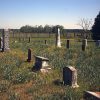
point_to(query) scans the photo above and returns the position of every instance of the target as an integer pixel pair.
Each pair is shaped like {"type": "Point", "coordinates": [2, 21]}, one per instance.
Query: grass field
{"type": "Point", "coordinates": [18, 82]}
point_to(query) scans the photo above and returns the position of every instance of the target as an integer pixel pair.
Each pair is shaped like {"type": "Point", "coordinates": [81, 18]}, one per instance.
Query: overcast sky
{"type": "Point", "coordinates": [16, 13]}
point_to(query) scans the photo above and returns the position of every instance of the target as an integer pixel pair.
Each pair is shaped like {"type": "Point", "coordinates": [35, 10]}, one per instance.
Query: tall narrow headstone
{"type": "Point", "coordinates": [0, 42]}
{"type": "Point", "coordinates": [58, 41]}
{"type": "Point", "coordinates": [70, 76]}
{"type": "Point", "coordinates": [5, 39]}
{"type": "Point", "coordinates": [29, 55]}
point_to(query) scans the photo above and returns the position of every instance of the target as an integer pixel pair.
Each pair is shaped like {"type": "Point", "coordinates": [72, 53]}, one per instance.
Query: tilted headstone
{"type": "Point", "coordinates": [41, 63]}
{"type": "Point", "coordinates": [58, 41]}
{"type": "Point", "coordinates": [70, 76]}
{"type": "Point", "coordinates": [5, 39]}
{"type": "Point", "coordinates": [29, 55]}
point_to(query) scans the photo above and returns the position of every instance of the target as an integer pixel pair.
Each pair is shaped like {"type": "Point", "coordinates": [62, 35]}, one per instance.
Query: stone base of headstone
{"type": "Point", "coordinates": [70, 76]}
{"type": "Point", "coordinates": [88, 95]}
{"type": "Point", "coordinates": [45, 70]}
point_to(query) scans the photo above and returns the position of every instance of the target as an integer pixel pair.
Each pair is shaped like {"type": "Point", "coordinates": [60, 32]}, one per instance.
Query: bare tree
{"type": "Point", "coordinates": [86, 26]}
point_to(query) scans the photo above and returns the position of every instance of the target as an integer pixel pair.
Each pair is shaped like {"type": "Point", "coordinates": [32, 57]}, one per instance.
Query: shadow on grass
{"type": "Point", "coordinates": [58, 82]}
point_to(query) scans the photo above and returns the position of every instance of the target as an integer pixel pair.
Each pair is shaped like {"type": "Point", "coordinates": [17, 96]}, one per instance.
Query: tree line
{"type": "Point", "coordinates": [41, 29]}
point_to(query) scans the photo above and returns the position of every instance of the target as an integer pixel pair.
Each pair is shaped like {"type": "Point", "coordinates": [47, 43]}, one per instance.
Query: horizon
{"type": "Point", "coordinates": [18, 13]}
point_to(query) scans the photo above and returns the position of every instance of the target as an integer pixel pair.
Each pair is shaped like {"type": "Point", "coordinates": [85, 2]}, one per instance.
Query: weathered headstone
{"type": "Point", "coordinates": [29, 55]}
{"type": "Point", "coordinates": [89, 95]}
{"type": "Point", "coordinates": [58, 41]}
{"type": "Point", "coordinates": [70, 76]}
{"type": "Point", "coordinates": [5, 39]}
{"type": "Point", "coordinates": [68, 44]}
{"type": "Point", "coordinates": [41, 63]}
{"type": "Point", "coordinates": [0, 42]}
{"type": "Point", "coordinates": [84, 44]}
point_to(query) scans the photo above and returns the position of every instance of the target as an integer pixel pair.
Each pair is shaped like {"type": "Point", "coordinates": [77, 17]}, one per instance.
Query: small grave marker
{"type": "Point", "coordinates": [70, 76]}
{"type": "Point", "coordinates": [41, 63]}
{"type": "Point", "coordinates": [45, 41]}
{"type": "Point", "coordinates": [29, 39]}
{"type": "Point", "coordinates": [29, 55]}
{"type": "Point", "coordinates": [68, 44]}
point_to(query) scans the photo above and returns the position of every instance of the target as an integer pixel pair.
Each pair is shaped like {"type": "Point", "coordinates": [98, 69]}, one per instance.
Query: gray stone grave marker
{"type": "Point", "coordinates": [70, 76]}
{"type": "Point", "coordinates": [5, 40]}
{"type": "Point", "coordinates": [41, 63]}
{"type": "Point", "coordinates": [0, 43]}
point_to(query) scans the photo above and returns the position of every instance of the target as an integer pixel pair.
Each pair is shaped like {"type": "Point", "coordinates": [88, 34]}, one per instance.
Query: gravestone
{"type": "Point", "coordinates": [5, 40]}
{"type": "Point", "coordinates": [41, 63]}
{"type": "Point", "coordinates": [0, 42]}
{"type": "Point", "coordinates": [29, 55]}
{"type": "Point", "coordinates": [45, 42]}
{"type": "Point", "coordinates": [29, 39]}
{"type": "Point", "coordinates": [84, 44]}
{"type": "Point", "coordinates": [89, 95]}
{"type": "Point", "coordinates": [70, 76]}
{"type": "Point", "coordinates": [67, 44]}
{"type": "Point", "coordinates": [58, 41]}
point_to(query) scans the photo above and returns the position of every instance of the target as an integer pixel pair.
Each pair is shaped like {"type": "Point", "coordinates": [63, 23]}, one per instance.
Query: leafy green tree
{"type": "Point", "coordinates": [96, 28]}
{"type": "Point", "coordinates": [26, 29]}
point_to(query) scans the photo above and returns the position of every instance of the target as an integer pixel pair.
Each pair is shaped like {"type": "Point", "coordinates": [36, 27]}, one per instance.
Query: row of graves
{"type": "Point", "coordinates": [42, 64]}
{"type": "Point", "coordinates": [4, 41]}
{"type": "Point", "coordinates": [69, 75]}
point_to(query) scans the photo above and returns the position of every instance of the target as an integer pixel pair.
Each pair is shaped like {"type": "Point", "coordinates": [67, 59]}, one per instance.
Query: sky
{"type": "Point", "coordinates": [17, 13]}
